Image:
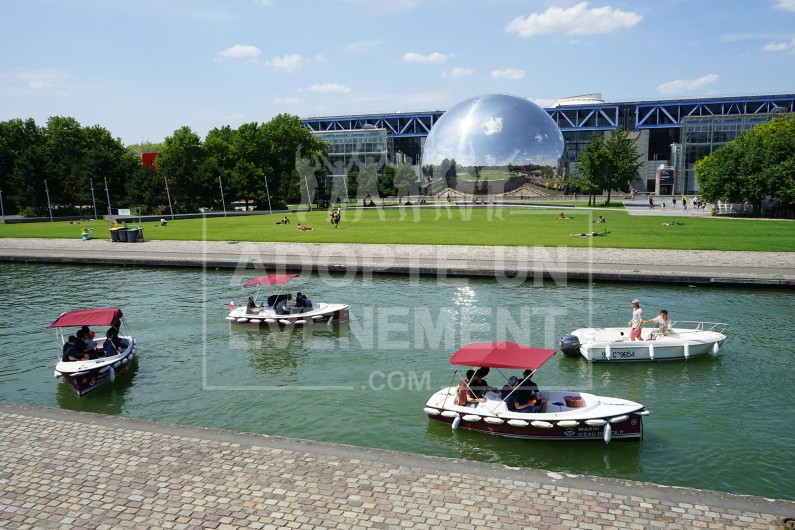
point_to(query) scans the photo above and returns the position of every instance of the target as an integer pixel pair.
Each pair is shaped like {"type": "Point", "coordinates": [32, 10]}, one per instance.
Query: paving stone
{"type": "Point", "coordinates": [213, 479]}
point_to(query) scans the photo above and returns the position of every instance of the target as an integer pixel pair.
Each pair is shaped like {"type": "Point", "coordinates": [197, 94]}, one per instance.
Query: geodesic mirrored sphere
{"type": "Point", "coordinates": [494, 131]}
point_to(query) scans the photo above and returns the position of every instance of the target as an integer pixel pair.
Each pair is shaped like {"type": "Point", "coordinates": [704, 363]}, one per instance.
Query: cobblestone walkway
{"type": "Point", "coordinates": [62, 469]}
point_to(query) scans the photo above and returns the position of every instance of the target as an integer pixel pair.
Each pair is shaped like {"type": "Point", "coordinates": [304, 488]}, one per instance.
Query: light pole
{"type": "Point", "coordinates": [2, 210]}
{"type": "Point", "coordinates": [168, 194]}
{"type": "Point", "coordinates": [93, 199]}
{"type": "Point", "coordinates": [107, 194]}
{"type": "Point", "coordinates": [267, 191]}
{"type": "Point", "coordinates": [221, 185]}
{"type": "Point", "coordinates": [47, 191]}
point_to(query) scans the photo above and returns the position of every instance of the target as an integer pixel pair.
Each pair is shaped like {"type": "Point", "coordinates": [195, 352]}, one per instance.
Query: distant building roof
{"type": "Point", "coordinates": [584, 99]}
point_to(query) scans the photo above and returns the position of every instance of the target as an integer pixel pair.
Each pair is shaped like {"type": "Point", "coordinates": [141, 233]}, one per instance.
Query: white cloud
{"type": "Point", "coordinates": [785, 5]}
{"type": "Point", "coordinates": [492, 126]}
{"type": "Point", "coordinates": [780, 46]}
{"type": "Point", "coordinates": [576, 20]}
{"type": "Point", "coordinates": [434, 57]}
{"type": "Point", "coordinates": [330, 88]}
{"type": "Point", "coordinates": [512, 74]}
{"type": "Point", "coordinates": [684, 86]}
{"type": "Point", "coordinates": [41, 79]}
{"type": "Point", "coordinates": [239, 51]}
{"type": "Point", "coordinates": [287, 101]}
{"type": "Point", "coordinates": [288, 63]}
{"type": "Point", "coordinates": [457, 73]}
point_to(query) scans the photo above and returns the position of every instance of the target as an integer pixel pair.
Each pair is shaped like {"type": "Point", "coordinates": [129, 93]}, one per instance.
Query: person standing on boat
{"type": "Point", "coordinates": [663, 324]}
{"type": "Point", "coordinates": [637, 321]}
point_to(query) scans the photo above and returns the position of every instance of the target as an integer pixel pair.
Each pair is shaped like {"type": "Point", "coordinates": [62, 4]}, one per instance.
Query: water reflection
{"type": "Point", "coordinates": [281, 351]}
{"type": "Point", "coordinates": [617, 459]}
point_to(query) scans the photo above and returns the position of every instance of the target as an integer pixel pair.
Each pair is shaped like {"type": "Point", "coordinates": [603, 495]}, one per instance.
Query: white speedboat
{"type": "Point", "coordinates": [685, 340]}
{"type": "Point", "coordinates": [85, 376]}
{"type": "Point", "coordinates": [267, 313]}
{"type": "Point", "coordinates": [567, 414]}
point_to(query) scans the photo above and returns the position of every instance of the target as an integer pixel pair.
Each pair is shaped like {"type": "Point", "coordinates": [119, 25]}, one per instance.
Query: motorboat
{"type": "Point", "coordinates": [567, 414]}
{"type": "Point", "coordinates": [267, 313]}
{"type": "Point", "coordinates": [87, 375]}
{"type": "Point", "coordinates": [685, 340]}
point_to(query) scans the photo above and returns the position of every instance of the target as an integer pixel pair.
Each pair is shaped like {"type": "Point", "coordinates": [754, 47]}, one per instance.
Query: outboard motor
{"type": "Point", "coordinates": [570, 345]}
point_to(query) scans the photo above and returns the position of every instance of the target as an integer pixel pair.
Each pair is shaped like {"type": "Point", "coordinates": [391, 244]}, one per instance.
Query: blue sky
{"type": "Point", "coordinates": [144, 68]}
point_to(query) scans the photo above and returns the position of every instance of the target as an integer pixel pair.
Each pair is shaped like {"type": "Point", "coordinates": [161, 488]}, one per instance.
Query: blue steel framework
{"type": "Point", "coordinates": [662, 119]}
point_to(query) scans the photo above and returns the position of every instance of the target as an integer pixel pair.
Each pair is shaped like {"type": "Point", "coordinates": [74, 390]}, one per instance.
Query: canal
{"type": "Point", "coordinates": [717, 422]}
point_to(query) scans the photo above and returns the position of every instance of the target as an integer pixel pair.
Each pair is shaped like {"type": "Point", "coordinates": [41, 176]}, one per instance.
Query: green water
{"type": "Point", "coordinates": [718, 422]}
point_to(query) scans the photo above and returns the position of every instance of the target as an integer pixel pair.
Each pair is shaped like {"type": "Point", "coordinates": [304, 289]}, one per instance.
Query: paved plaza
{"type": "Point", "coordinates": [63, 469]}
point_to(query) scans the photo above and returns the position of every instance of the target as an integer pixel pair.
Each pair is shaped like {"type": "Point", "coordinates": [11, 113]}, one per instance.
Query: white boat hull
{"type": "Point", "coordinates": [599, 417]}
{"type": "Point", "coordinates": [320, 314]}
{"type": "Point", "coordinates": [613, 344]}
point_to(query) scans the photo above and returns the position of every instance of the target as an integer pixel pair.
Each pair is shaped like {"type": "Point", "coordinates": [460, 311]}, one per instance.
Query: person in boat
{"type": "Point", "coordinates": [480, 387]}
{"type": "Point", "coordinates": [70, 350]}
{"type": "Point", "coordinates": [112, 348]}
{"type": "Point", "coordinates": [88, 337]}
{"type": "Point", "coordinates": [302, 303]}
{"type": "Point", "coordinates": [81, 346]}
{"type": "Point", "coordinates": [663, 325]}
{"type": "Point", "coordinates": [508, 394]}
{"type": "Point", "coordinates": [282, 307]}
{"type": "Point", "coordinates": [251, 306]}
{"type": "Point", "coordinates": [528, 397]}
{"type": "Point", "coordinates": [636, 323]}
{"type": "Point", "coordinates": [118, 342]}
{"type": "Point", "coordinates": [464, 396]}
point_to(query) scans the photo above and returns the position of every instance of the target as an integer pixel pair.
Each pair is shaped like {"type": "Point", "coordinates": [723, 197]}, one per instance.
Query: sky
{"type": "Point", "coordinates": [143, 69]}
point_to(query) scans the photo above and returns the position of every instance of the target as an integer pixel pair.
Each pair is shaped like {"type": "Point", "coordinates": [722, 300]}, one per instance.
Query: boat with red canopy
{"type": "Point", "coordinates": [553, 415]}
{"type": "Point", "coordinates": [96, 367]}
{"type": "Point", "coordinates": [280, 310]}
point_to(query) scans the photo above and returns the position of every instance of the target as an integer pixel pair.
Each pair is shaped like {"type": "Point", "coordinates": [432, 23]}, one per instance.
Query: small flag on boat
{"type": "Point", "coordinates": [232, 304]}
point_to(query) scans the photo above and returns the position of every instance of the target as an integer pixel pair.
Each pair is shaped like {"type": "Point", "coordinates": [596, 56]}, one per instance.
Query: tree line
{"type": "Point", "coordinates": [70, 168]}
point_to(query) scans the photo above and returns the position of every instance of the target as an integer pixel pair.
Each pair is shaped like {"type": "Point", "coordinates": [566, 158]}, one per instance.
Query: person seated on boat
{"type": "Point", "coordinates": [120, 343]}
{"type": "Point", "coordinates": [88, 336]}
{"type": "Point", "coordinates": [70, 351]}
{"type": "Point", "coordinates": [112, 348]}
{"type": "Point", "coordinates": [464, 395]}
{"type": "Point", "coordinates": [281, 305]}
{"type": "Point", "coordinates": [251, 306]}
{"type": "Point", "coordinates": [82, 346]}
{"type": "Point", "coordinates": [480, 387]}
{"type": "Point", "coordinates": [528, 397]}
{"type": "Point", "coordinates": [302, 303]}
{"type": "Point", "coordinates": [663, 325]}
{"type": "Point", "coordinates": [508, 394]}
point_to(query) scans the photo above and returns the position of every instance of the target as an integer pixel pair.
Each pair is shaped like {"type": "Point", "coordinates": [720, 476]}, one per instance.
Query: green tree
{"type": "Point", "coordinates": [367, 181]}
{"type": "Point", "coordinates": [757, 164]}
{"type": "Point", "coordinates": [178, 162]}
{"type": "Point", "coordinates": [386, 184]}
{"type": "Point", "coordinates": [608, 164]}
{"type": "Point", "coordinates": [405, 180]}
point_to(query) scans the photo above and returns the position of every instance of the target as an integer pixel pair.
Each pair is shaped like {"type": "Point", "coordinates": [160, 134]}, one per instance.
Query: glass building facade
{"type": "Point", "coordinates": [701, 135]}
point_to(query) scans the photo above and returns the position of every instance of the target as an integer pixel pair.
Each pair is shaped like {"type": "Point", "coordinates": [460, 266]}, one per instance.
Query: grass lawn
{"type": "Point", "coordinates": [461, 226]}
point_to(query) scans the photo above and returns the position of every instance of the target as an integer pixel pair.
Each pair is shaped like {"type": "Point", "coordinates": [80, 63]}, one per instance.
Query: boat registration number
{"type": "Point", "coordinates": [620, 354]}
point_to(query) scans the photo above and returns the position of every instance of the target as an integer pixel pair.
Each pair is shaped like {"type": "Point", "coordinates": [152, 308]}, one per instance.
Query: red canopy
{"type": "Point", "coordinates": [501, 355]}
{"type": "Point", "coordinates": [270, 279]}
{"type": "Point", "coordinates": [103, 316]}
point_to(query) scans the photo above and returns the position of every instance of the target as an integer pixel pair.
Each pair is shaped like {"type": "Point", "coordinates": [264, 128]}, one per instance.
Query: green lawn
{"type": "Point", "coordinates": [461, 226]}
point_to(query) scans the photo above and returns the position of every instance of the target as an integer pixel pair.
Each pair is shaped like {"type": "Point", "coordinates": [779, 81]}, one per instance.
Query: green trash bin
{"type": "Point", "coordinates": [132, 235]}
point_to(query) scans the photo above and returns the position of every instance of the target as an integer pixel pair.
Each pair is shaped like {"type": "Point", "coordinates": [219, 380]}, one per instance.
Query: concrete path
{"type": "Point", "coordinates": [62, 469]}
{"type": "Point", "coordinates": [532, 263]}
